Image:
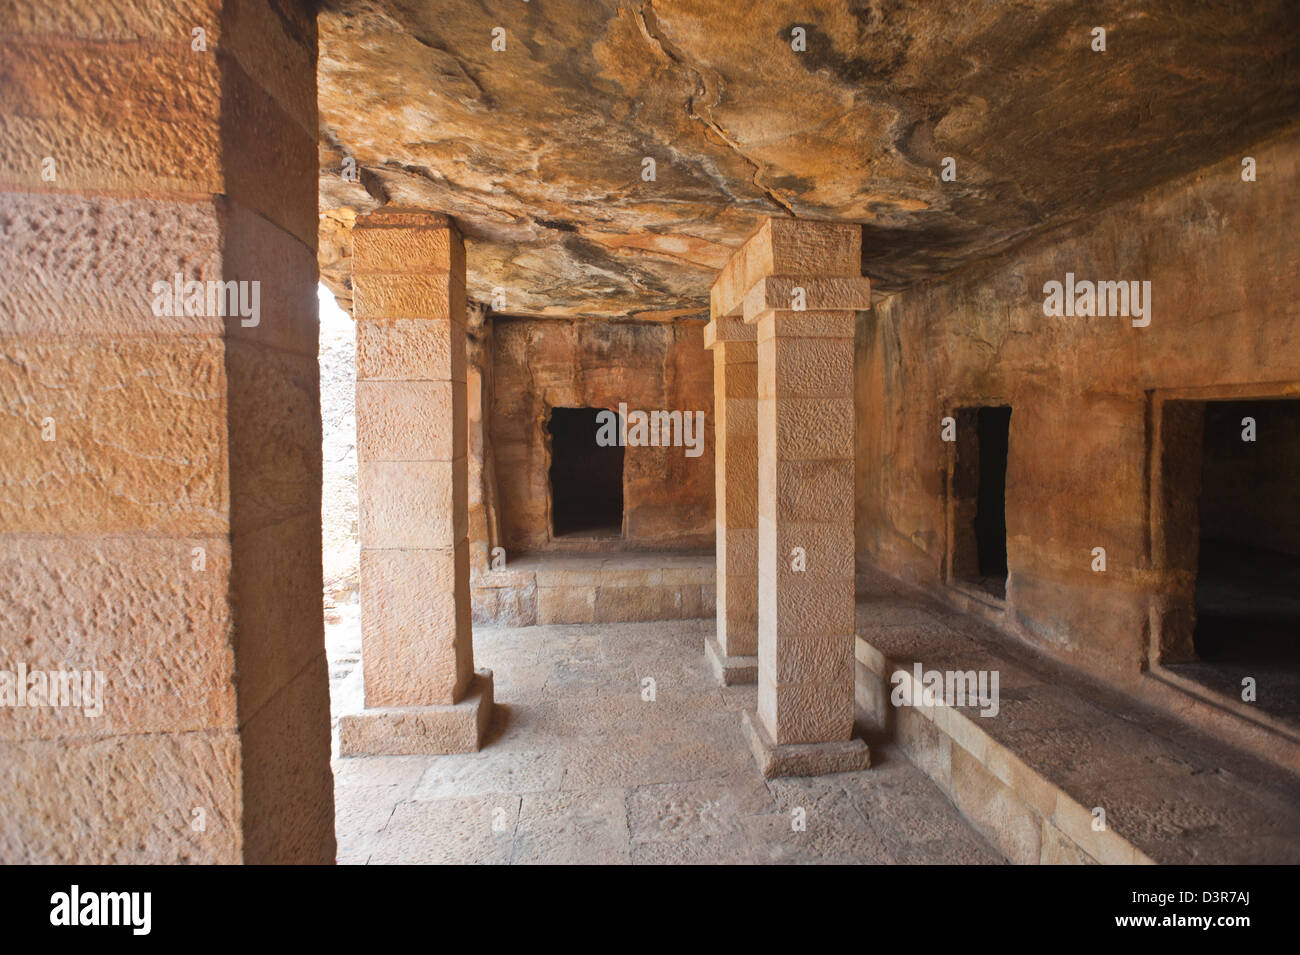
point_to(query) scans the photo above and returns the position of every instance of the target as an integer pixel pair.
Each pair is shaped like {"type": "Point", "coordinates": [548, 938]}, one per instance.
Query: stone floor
{"type": "Point", "coordinates": [582, 769]}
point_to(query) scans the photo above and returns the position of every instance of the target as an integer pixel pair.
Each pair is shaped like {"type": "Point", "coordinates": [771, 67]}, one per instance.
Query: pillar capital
{"type": "Point", "coordinates": [787, 247]}
{"type": "Point", "coordinates": [722, 329]}
{"type": "Point", "coordinates": [794, 294]}
{"type": "Point", "coordinates": [404, 217]}
{"type": "Point", "coordinates": [408, 264]}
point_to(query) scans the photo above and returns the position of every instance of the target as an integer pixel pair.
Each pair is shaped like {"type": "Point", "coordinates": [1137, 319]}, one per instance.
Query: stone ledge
{"type": "Point", "coordinates": [629, 587]}
{"type": "Point", "coordinates": [803, 759]}
{"type": "Point", "coordinates": [1030, 776]}
{"type": "Point", "coordinates": [421, 730]}
{"type": "Point", "coordinates": [821, 294]}
{"type": "Point", "coordinates": [724, 329]}
{"type": "Point", "coordinates": [730, 670]}
{"type": "Point", "coordinates": [990, 784]}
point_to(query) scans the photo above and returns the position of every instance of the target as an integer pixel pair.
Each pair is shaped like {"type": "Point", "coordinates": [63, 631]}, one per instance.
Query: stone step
{"type": "Point", "coordinates": [1036, 776]}
{"type": "Point", "coordinates": [566, 588]}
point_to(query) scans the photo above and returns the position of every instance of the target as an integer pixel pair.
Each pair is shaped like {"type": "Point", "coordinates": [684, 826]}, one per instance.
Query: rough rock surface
{"type": "Point", "coordinates": [538, 149]}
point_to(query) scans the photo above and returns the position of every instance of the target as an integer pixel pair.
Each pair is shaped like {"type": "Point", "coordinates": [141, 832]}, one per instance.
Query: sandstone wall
{"type": "Point", "coordinates": [1085, 394]}
{"type": "Point", "coordinates": [538, 365]}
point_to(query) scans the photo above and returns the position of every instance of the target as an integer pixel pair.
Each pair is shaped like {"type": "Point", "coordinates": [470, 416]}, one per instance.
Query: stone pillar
{"type": "Point", "coordinates": [422, 692]}
{"type": "Point", "coordinates": [799, 284]}
{"type": "Point", "coordinates": [160, 435]}
{"type": "Point", "coordinates": [733, 654]}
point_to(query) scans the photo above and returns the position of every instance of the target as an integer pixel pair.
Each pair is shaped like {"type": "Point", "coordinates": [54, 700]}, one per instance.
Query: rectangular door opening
{"type": "Point", "coordinates": [586, 478]}
{"type": "Point", "coordinates": [979, 483]}
{"type": "Point", "coordinates": [1248, 559]}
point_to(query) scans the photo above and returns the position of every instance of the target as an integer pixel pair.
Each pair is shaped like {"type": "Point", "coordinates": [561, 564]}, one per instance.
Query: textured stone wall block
{"type": "Point", "coordinates": [411, 420]}
{"type": "Point", "coordinates": [416, 626]}
{"type": "Point", "coordinates": [413, 504]}
{"type": "Point", "coordinates": [386, 295]}
{"type": "Point", "coordinates": [408, 349]}
{"type": "Point", "coordinates": [123, 437]}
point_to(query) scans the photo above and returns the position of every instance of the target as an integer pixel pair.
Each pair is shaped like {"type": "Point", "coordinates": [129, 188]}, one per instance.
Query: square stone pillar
{"type": "Point", "coordinates": [733, 654]}
{"type": "Point", "coordinates": [160, 434]}
{"type": "Point", "coordinates": [799, 285]}
{"type": "Point", "coordinates": [421, 690]}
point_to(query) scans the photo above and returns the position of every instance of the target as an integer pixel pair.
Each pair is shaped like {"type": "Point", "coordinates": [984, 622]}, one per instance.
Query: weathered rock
{"type": "Point", "coordinates": [537, 150]}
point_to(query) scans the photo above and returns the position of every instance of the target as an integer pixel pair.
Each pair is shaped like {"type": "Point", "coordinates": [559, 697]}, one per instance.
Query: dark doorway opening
{"type": "Point", "coordinates": [586, 478]}
{"type": "Point", "coordinates": [979, 554]}
{"type": "Point", "coordinates": [1248, 559]}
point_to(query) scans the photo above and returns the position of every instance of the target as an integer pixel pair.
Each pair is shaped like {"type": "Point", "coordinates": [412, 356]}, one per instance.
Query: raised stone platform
{"type": "Point", "coordinates": [595, 588]}
{"type": "Point", "coordinates": [1033, 776]}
